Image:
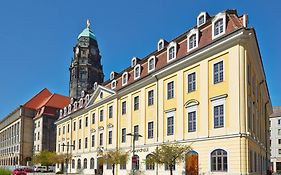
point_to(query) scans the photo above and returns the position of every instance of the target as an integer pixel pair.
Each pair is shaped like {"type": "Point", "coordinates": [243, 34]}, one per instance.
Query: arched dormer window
{"type": "Point", "coordinates": [81, 102]}
{"type": "Point", "coordinates": [61, 112]}
{"type": "Point", "coordinates": [151, 64]}
{"type": "Point", "coordinates": [137, 71]}
{"type": "Point", "coordinates": [83, 94]}
{"type": "Point", "coordinates": [95, 85]}
{"type": "Point", "coordinates": [219, 161]}
{"type": "Point", "coordinates": [192, 39]}
{"type": "Point", "coordinates": [218, 25]}
{"type": "Point", "coordinates": [112, 75]}
{"type": "Point", "coordinates": [69, 108]}
{"type": "Point", "coordinates": [87, 98]}
{"type": "Point", "coordinates": [160, 45]}
{"type": "Point", "coordinates": [75, 106]}
{"type": "Point", "coordinates": [134, 62]}
{"type": "Point", "coordinates": [113, 84]}
{"type": "Point", "coordinates": [171, 51]}
{"type": "Point", "coordinates": [124, 78]}
{"type": "Point", "coordinates": [65, 111]}
{"type": "Point", "coordinates": [201, 19]}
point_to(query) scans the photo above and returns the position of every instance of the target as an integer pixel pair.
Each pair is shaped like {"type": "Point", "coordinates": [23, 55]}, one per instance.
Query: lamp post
{"type": "Point", "coordinates": [67, 148]}
{"type": "Point", "coordinates": [134, 140]}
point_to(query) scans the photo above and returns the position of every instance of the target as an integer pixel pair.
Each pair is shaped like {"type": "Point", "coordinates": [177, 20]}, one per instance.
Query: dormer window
{"type": "Point", "coordinates": [192, 39]}
{"type": "Point", "coordinates": [113, 84]}
{"type": "Point", "coordinates": [124, 78]}
{"type": "Point", "coordinates": [81, 103]}
{"type": "Point", "coordinates": [75, 106]}
{"type": "Point", "coordinates": [218, 25]}
{"type": "Point", "coordinates": [160, 45]}
{"type": "Point", "coordinates": [201, 19]}
{"type": "Point", "coordinates": [134, 62]}
{"type": "Point", "coordinates": [112, 75]}
{"type": "Point", "coordinates": [65, 111]}
{"type": "Point", "coordinates": [137, 71]}
{"type": "Point", "coordinates": [95, 85]}
{"type": "Point", "coordinates": [171, 51]}
{"type": "Point", "coordinates": [101, 95]}
{"type": "Point", "coordinates": [151, 64]}
{"type": "Point", "coordinates": [69, 108]}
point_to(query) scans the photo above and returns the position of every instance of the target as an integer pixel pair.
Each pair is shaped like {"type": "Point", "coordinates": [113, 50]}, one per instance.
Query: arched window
{"type": "Point", "coordinates": [85, 164]}
{"type": "Point", "coordinates": [149, 166]}
{"type": "Point", "coordinates": [192, 41]}
{"type": "Point", "coordinates": [124, 78]}
{"type": "Point", "coordinates": [92, 163]}
{"type": "Point", "coordinates": [113, 84]}
{"type": "Point", "coordinates": [171, 53]}
{"type": "Point", "coordinates": [73, 163]}
{"type": "Point", "coordinates": [160, 45]}
{"type": "Point", "coordinates": [219, 160]}
{"type": "Point", "coordinates": [137, 71]}
{"type": "Point", "coordinates": [151, 63]}
{"type": "Point", "coordinates": [136, 162]}
{"type": "Point", "coordinates": [78, 164]}
{"type": "Point", "coordinates": [218, 27]}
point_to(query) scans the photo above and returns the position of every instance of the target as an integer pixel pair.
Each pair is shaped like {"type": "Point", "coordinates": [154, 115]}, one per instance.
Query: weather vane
{"type": "Point", "coordinates": [88, 23]}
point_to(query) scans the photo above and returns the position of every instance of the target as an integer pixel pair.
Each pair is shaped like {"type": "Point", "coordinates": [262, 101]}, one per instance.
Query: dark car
{"type": "Point", "coordinates": [19, 171]}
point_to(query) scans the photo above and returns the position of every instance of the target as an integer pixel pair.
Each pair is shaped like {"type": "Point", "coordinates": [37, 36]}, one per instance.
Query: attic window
{"type": "Point", "coordinates": [201, 19]}
{"type": "Point", "coordinates": [81, 103]}
{"type": "Point", "coordinates": [113, 84]}
{"type": "Point", "coordinates": [218, 25]}
{"type": "Point", "coordinates": [192, 39]}
{"type": "Point", "coordinates": [95, 85]}
{"type": "Point", "coordinates": [112, 75]}
{"type": "Point", "coordinates": [160, 45]}
{"type": "Point", "coordinates": [171, 51]}
{"type": "Point", "coordinates": [101, 95]}
{"type": "Point", "coordinates": [137, 71]}
{"type": "Point", "coordinates": [151, 63]}
{"type": "Point", "coordinates": [124, 78]}
{"type": "Point", "coordinates": [134, 62]}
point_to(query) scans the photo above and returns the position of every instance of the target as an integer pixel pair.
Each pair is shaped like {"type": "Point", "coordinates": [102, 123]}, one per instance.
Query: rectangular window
{"type": "Point", "coordinates": [80, 124]}
{"type": "Point", "coordinates": [74, 126]}
{"type": "Point", "coordinates": [101, 115]}
{"type": "Point", "coordinates": [93, 140]}
{"type": "Point", "coordinates": [170, 125]}
{"type": "Point", "coordinates": [218, 116]}
{"type": "Point", "coordinates": [279, 141]}
{"type": "Point", "coordinates": [110, 111]}
{"type": "Point", "coordinates": [136, 132]}
{"type": "Point", "coordinates": [123, 166]}
{"type": "Point", "coordinates": [150, 130]}
{"type": "Point", "coordinates": [136, 103]}
{"type": "Point", "coordinates": [170, 90]}
{"type": "Point", "coordinates": [93, 118]}
{"type": "Point", "coordinates": [73, 147]}
{"type": "Point", "coordinates": [279, 151]}
{"type": "Point", "coordinates": [123, 135]}
{"type": "Point", "coordinates": [167, 167]}
{"type": "Point", "coordinates": [191, 78]}
{"type": "Point", "coordinates": [279, 131]}
{"type": "Point", "coordinates": [110, 137]}
{"type": "Point", "coordinates": [123, 107]}
{"type": "Point", "coordinates": [192, 121]}
{"type": "Point", "coordinates": [101, 139]}
{"type": "Point", "coordinates": [218, 72]}
{"type": "Point", "coordinates": [67, 128]}
{"type": "Point", "coordinates": [86, 142]}
{"type": "Point", "coordinates": [79, 144]}
{"type": "Point", "coordinates": [86, 121]}
{"type": "Point", "coordinates": [63, 130]}
{"type": "Point", "coordinates": [59, 131]}
{"type": "Point", "coordinates": [150, 98]}
{"type": "Point", "coordinates": [279, 121]}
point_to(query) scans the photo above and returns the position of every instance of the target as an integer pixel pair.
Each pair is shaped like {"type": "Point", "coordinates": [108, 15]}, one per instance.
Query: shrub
{"type": "Point", "coordinates": [5, 172]}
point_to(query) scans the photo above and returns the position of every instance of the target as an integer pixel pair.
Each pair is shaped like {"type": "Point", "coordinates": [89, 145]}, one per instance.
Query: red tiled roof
{"type": "Point", "coordinates": [36, 101]}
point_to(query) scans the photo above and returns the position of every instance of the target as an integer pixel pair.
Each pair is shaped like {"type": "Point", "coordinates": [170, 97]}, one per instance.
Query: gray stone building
{"type": "Point", "coordinates": [275, 138]}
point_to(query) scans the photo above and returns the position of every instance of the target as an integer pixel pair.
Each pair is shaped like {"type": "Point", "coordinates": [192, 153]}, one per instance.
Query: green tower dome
{"type": "Point", "coordinates": [87, 32]}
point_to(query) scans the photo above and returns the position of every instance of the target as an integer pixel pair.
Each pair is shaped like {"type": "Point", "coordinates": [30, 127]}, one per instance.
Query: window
{"type": "Point", "coordinates": [86, 142]}
{"type": "Point", "coordinates": [151, 63]}
{"type": "Point", "coordinates": [110, 137]}
{"type": "Point", "coordinates": [80, 124]}
{"type": "Point", "coordinates": [134, 62]}
{"type": "Point", "coordinates": [150, 130]}
{"type": "Point", "coordinates": [79, 144]}
{"type": "Point", "coordinates": [219, 116]}
{"type": "Point", "coordinates": [279, 151]}
{"type": "Point", "coordinates": [219, 160]}
{"type": "Point", "coordinates": [123, 166]}
{"type": "Point", "coordinates": [123, 135]}
{"type": "Point", "coordinates": [73, 147]}
{"type": "Point", "coordinates": [136, 132]}
{"type": "Point", "coordinates": [110, 111]}
{"type": "Point", "coordinates": [59, 148]}
{"type": "Point", "coordinates": [167, 167]}
{"type": "Point", "coordinates": [149, 166]}
{"type": "Point", "coordinates": [170, 125]}
{"type": "Point", "coordinates": [170, 90]}
{"type": "Point", "coordinates": [85, 164]}
{"type": "Point", "coordinates": [92, 163]}
{"type": "Point", "coordinates": [279, 121]}
{"type": "Point", "coordinates": [59, 131]}
{"type": "Point", "coordinates": [93, 140]}
{"type": "Point", "coordinates": [93, 118]}
{"type": "Point", "coordinates": [137, 71]}
{"type": "Point", "coordinates": [113, 84]}
{"type": "Point", "coordinates": [101, 115]}
{"type": "Point", "coordinates": [101, 139]}
{"type": "Point", "coordinates": [112, 75]}
{"type": "Point", "coordinates": [74, 126]}
{"type": "Point", "coordinates": [150, 97]}
{"type": "Point", "coordinates": [63, 130]}
{"type": "Point", "coordinates": [191, 78]}
{"type": "Point", "coordinates": [279, 141]}
{"type": "Point", "coordinates": [136, 103]}
{"type": "Point", "coordinates": [38, 136]}
{"type": "Point", "coordinates": [279, 131]}
{"type": "Point", "coordinates": [101, 94]}
{"type": "Point", "coordinates": [67, 128]}
{"type": "Point", "coordinates": [218, 27]}
{"type": "Point", "coordinates": [73, 163]}
{"type": "Point", "coordinates": [160, 45]}
{"type": "Point", "coordinates": [192, 121]}
{"type": "Point", "coordinates": [171, 53]}
{"type": "Point", "coordinates": [123, 107]}
{"type": "Point", "coordinates": [201, 20]}
{"type": "Point", "coordinates": [192, 39]}
{"type": "Point", "coordinates": [124, 78]}
{"type": "Point", "coordinates": [218, 72]}
{"type": "Point", "coordinates": [86, 121]}
{"type": "Point", "coordinates": [78, 164]}
{"type": "Point", "coordinates": [136, 163]}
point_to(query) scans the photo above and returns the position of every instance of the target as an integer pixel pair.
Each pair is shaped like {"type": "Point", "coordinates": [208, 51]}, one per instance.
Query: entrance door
{"type": "Point", "coordinates": [191, 163]}
{"type": "Point", "coordinates": [99, 166]}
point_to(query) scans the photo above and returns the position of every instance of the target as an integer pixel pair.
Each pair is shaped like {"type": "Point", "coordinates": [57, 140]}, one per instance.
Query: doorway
{"type": "Point", "coordinates": [191, 163]}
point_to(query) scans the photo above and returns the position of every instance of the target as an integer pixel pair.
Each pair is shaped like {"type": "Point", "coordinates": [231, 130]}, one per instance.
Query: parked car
{"type": "Point", "coordinates": [19, 171]}
{"type": "Point", "coordinates": [40, 169]}
{"type": "Point", "coordinates": [27, 169]}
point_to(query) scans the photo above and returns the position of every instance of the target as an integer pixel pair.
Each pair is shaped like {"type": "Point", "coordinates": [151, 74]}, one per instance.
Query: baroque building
{"type": "Point", "coordinates": [85, 68]}
{"type": "Point", "coordinates": [205, 88]}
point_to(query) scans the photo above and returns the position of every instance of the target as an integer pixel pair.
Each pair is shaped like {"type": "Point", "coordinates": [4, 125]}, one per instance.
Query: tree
{"type": "Point", "coordinates": [115, 157]}
{"type": "Point", "coordinates": [168, 155]}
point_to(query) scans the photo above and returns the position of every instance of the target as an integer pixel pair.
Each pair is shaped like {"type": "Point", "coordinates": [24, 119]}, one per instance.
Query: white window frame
{"type": "Point", "coordinates": [112, 75]}
{"type": "Point", "coordinates": [110, 129]}
{"type": "Point", "coordinates": [204, 14]}
{"type": "Point", "coordinates": [113, 84]}
{"type": "Point", "coordinates": [137, 76]}
{"type": "Point", "coordinates": [161, 41]}
{"type": "Point", "coordinates": [134, 62]}
{"type": "Point", "coordinates": [152, 130]}
{"type": "Point", "coordinates": [167, 93]}
{"type": "Point", "coordinates": [170, 114]}
{"type": "Point", "coordinates": [151, 58]}
{"type": "Point", "coordinates": [188, 82]}
{"type": "Point", "coordinates": [217, 101]}
{"type": "Point", "coordinates": [192, 108]}
{"type": "Point", "coordinates": [191, 33]}
{"type": "Point", "coordinates": [218, 17]}
{"type": "Point", "coordinates": [213, 75]}
{"type": "Point", "coordinates": [172, 44]}
{"type": "Point", "coordinates": [125, 74]}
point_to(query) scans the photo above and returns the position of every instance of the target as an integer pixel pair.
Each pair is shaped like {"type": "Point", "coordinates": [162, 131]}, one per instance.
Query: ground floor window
{"type": "Point", "coordinates": [278, 166]}
{"type": "Point", "coordinates": [219, 160]}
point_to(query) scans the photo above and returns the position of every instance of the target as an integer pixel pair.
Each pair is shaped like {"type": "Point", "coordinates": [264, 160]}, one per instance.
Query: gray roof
{"type": "Point", "coordinates": [276, 111]}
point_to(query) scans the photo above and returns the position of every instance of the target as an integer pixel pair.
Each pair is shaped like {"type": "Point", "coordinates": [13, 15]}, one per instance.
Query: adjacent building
{"type": "Point", "coordinates": [205, 88]}
{"type": "Point", "coordinates": [275, 138]}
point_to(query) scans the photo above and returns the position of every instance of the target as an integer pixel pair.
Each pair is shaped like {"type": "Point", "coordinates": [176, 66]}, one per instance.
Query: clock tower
{"type": "Point", "coordinates": [85, 68]}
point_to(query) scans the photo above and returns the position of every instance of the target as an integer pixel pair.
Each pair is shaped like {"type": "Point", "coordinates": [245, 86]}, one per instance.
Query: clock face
{"type": "Point", "coordinates": [93, 51]}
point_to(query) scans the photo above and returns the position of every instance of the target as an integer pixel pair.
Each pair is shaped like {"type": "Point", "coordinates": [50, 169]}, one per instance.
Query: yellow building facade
{"type": "Point", "coordinates": [206, 88]}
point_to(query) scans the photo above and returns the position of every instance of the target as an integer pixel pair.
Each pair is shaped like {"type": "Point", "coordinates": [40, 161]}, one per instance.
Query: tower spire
{"type": "Point", "coordinates": [88, 23]}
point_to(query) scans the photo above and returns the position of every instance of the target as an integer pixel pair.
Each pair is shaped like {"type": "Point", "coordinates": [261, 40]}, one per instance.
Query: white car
{"type": "Point", "coordinates": [40, 169]}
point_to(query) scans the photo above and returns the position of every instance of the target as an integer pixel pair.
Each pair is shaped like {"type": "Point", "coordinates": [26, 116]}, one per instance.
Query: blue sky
{"type": "Point", "coordinates": [36, 38]}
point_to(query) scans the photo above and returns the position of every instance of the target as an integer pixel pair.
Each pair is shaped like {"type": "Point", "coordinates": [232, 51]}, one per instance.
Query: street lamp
{"type": "Point", "coordinates": [134, 139]}
{"type": "Point", "coordinates": [67, 148]}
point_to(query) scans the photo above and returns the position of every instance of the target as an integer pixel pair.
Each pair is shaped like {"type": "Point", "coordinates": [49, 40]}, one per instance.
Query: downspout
{"type": "Point", "coordinates": [266, 134]}
{"type": "Point", "coordinates": [157, 116]}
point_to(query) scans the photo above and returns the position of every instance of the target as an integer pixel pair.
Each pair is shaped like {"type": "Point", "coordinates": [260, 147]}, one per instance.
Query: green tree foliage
{"type": "Point", "coordinates": [168, 155]}
{"type": "Point", "coordinates": [114, 158]}
{"type": "Point", "coordinates": [48, 158]}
